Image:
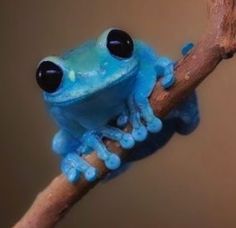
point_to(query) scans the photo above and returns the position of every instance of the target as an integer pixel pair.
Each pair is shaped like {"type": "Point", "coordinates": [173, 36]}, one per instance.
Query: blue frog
{"type": "Point", "coordinates": [93, 91]}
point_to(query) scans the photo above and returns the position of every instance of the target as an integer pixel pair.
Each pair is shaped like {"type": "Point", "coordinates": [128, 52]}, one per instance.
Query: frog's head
{"type": "Point", "coordinates": [88, 69]}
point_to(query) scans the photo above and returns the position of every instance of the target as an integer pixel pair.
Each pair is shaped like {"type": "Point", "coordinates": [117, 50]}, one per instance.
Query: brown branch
{"type": "Point", "coordinates": [218, 43]}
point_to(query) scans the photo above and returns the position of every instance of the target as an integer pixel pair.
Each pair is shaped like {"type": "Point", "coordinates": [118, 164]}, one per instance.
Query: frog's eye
{"type": "Point", "coordinates": [49, 76]}
{"type": "Point", "coordinates": [120, 44]}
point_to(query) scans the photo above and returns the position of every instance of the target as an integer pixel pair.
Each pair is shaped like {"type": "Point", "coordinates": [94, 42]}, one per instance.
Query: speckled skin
{"type": "Point", "coordinates": [98, 88]}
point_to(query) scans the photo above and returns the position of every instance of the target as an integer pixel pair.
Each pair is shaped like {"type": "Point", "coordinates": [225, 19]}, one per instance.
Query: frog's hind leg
{"type": "Point", "coordinates": [64, 143]}
{"type": "Point", "coordinates": [72, 164]}
{"type": "Point", "coordinates": [72, 150]}
{"type": "Point", "coordinates": [94, 140]}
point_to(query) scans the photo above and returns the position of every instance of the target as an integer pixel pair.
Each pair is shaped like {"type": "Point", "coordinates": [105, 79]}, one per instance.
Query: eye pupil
{"type": "Point", "coordinates": [49, 76]}
{"type": "Point", "coordinates": [120, 44]}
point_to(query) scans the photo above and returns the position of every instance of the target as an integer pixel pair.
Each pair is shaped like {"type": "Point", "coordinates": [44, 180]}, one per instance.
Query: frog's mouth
{"type": "Point", "coordinates": [71, 96]}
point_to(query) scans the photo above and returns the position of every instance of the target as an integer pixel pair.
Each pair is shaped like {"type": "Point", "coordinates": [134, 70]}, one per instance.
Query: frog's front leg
{"type": "Point", "coordinates": [163, 70]}
{"type": "Point", "coordinates": [152, 122]}
{"type": "Point", "coordinates": [139, 131]}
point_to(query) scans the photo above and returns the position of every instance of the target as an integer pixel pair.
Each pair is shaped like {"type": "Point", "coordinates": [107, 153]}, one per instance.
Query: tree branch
{"type": "Point", "coordinates": [218, 43]}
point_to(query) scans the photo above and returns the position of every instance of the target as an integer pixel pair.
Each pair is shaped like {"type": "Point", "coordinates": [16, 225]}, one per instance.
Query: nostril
{"type": "Point", "coordinates": [49, 76]}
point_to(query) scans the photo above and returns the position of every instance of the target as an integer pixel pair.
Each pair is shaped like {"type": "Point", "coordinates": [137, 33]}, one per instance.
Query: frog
{"type": "Point", "coordinates": [94, 90]}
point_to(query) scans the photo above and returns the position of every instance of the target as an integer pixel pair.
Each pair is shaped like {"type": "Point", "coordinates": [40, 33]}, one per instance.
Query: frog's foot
{"type": "Point", "coordinates": [73, 165]}
{"type": "Point", "coordinates": [94, 141]}
{"type": "Point", "coordinates": [153, 123]}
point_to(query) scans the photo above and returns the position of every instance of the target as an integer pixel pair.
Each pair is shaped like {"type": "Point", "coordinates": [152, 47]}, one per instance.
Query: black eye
{"type": "Point", "coordinates": [49, 76]}
{"type": "Point", "coordinates": [119, 43]}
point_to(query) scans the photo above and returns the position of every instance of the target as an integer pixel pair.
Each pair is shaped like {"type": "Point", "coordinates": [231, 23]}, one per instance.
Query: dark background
{"type": "Point", "coordinates": [189, 183]}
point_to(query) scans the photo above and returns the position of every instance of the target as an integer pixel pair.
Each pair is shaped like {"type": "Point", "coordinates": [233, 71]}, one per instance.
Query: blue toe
{"type": "Point", "coordinates": [73, 175]}
{"type": "Point", "coordinates": [167, 82]}
{"type": "Point", "coordinates": [91, 174]}
{"type": "Point", "coordinates": [122, 121]}
{"type": "Point", "coordinates": [127, 141]}
{"type": "Point", "coordinates": [113, 162]}
{"type": "Point", "coordinates": [154, 126]}
{"type": "Point", "coordinates": [139, 134]}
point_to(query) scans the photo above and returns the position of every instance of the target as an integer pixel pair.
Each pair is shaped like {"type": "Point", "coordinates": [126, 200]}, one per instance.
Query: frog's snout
{"type": "Point", "coordinates": [49, 76]}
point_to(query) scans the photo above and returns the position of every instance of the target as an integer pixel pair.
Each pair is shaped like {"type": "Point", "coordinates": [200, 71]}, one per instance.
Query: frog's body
{"type": "Point", "coordinates": [104, 80]}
